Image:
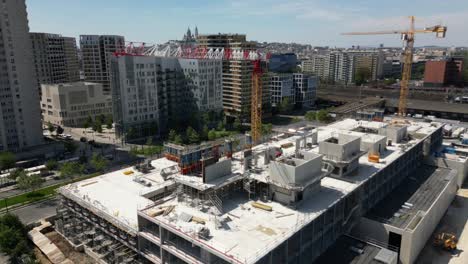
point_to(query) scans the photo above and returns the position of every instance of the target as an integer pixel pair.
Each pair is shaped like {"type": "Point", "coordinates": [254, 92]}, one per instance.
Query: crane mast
{"type": "Point", "coordinates": [408, 38]}
{"type": "Point", "coordinates": [256, 106]}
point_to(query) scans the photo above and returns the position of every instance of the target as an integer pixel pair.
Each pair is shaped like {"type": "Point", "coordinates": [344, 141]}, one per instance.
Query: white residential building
{"type": "Point", "coordinates": [20, 119]}
{"type": "Point", "coordinates": [150, 93]}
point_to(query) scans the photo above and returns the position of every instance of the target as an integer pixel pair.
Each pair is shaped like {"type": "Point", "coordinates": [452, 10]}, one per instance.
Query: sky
{"type": "Point", "coordinates": [315, 22]}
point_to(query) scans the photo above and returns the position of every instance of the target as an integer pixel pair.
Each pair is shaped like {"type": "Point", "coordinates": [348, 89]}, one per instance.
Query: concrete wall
{"type": "Point", "coordinates": [412, 241]}
{"type": "Point", "coordinates": [423, 231]}
{"type": "Point", "coordinates": [374, 146]}
{"type": "Point", "coordinates": [394, 133]}
{"type": "Point", "coordinates": [218, 170]}
{"type": "Point", "coordinates": [460, 165]}
{"type": "Point", "coordinates": [304, 171]}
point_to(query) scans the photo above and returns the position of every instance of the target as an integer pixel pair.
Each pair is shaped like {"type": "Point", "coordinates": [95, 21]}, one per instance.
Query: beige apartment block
{"type": "Point", "coordinates": [70, 104]}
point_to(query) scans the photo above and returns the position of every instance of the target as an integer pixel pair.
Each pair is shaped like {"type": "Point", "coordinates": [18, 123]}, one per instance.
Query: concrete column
{"type": "Point", "coordinates": [161, 251]}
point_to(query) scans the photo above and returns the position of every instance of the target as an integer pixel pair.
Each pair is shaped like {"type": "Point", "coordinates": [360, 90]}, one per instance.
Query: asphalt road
{"type": "Point", "coordinates": [35, 212]}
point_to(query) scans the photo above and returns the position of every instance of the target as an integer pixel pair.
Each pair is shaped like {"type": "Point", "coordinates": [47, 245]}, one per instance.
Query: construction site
{"type": "Point", "coordinates": [287, 200]}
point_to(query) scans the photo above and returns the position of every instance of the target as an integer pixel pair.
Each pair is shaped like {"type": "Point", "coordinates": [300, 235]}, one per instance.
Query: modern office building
{"type": "Point", "coordinates": [444, 73]}
{"type": "Point", "coordinates": [285, 201]}
{"type": "Point", "coordinates": [158, 92]}
{"type": "Point", "coordinates": [305, 87]}
{"type": "Point", "coordinates": [96, 51]}
{"type": "Point", "coordinates": [20, 118]}
{"type": "Point", "coordinates": [299, 88]}
{"type": "Point", "coordinates": [71, 104]}
{"type": "Point", "coordinates": [55, 58]}
{"type": "Point", "coordinates": [237, 75]}
{"type": "Point", "coordinates": [281, 87]}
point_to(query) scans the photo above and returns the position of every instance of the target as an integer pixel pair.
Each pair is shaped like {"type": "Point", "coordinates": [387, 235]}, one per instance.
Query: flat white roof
{"type": "Point", "coordinates": [253, 232]}
{"type": "Point", "coordinates": [117, 195]}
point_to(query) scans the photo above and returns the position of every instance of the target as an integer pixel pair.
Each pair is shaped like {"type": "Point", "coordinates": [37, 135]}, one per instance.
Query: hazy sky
{"type": "Point", "coordinates": [313, 22]}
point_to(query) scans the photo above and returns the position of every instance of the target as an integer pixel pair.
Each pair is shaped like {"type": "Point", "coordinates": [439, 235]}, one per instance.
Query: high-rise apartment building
{"type": "Point", "coordinates": [55, 58]}
{"type": "Point", "coordinates": [96, 51]}
{"type": "Point", "coordinates": [342, 65]}
{"type": "Point", "coordinates": [152, 94]}
{"type": "Point", "coordinates": [237, 75]}
{"type": "Point", "coordinates": [20, 115]}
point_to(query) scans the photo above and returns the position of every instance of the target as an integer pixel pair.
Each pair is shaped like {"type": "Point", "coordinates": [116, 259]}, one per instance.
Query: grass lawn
{"type": "Point", "coordinates": [40, 194]}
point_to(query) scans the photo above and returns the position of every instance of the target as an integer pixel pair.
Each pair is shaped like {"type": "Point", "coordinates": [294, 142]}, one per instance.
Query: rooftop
{"type": "Point", "coordinates": [117, 195]}
{"type": "Point", "coordinates": [250, 232]}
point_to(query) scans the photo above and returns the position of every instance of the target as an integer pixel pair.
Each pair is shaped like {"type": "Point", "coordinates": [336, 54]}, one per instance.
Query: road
{"type": "Point", "coordinates": [35, 212]}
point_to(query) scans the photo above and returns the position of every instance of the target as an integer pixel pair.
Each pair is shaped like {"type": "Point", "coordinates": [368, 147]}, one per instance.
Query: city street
{"type": "Point", "coordinates": [37, 211]}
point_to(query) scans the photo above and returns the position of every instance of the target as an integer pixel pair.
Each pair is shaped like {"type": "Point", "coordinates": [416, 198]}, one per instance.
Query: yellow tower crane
{"type": "Point", "coordinates": [408, 38]}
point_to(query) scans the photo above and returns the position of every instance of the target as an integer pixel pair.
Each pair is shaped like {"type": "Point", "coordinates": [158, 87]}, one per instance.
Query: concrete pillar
{"type": "Point", "coordinates": [161, 251]}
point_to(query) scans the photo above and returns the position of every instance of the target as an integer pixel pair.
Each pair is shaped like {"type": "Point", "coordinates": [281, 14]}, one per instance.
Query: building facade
{"type": "Point", "coordinates": [96, 51]}
{"type": "Point", "coordinates": [444, 73]}
{"type": "Point", "coordinates": [300, 89]}
{"type": "Point", "coordinates": [151, 93]}
{"type": "Point", "coordinates": [305, 88]}
{"type": "Point", "coordinates": [55, 58]}
{"type": "Point", "coordinates": [71, 104]}
{"type": "Point", "coordinates": [237, 75]}
{"type": "Point", "coordinates": [281, 87]}
{"type": "Point", "coordinates": [20, 120]}
{"type": "Point", "coordinates": [342, 66]}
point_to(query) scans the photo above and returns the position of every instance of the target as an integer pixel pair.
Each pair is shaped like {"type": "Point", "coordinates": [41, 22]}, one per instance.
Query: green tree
{"type": "Point", "coordinates": [70, 169]}
{"type": "Point", "coordinates": [389, 81]}
{"type": "Point", "coordinates": [51, 128]}
{"type": "Point", "coordinates": [322, 115]}
{"type": "Point", "coordinates": [172, 135]}
{"type": "Point", "coordinates": [237, 125]}
{"type": "Point", "coordinates": [178, 139]}
{"type": "Point", "coordinates": [32, 182]}
{"type": "Point", "coordinates": [192, 135]}
{"type": "Point", "coordinates": [14, 175]}
{"type": "Point", "coordinates": [212, 134]}
{"type": "Point", "coordinates": [51, 164]}
{"type": "Point", "coordinates": [7, 160]}
{"type": "Point", "coordinates": [98, 162]}
{"type": "Point", "coordinates": [97, 125]}
{"type": "Point", "coordinates": [14, 241]}
{"type": "Point", "coordinates": [149, 141]}
{"type": "Point", "coordinates": [205, 132]}
{"type": "Point", "coordinates": [285, 106]}
{"type": "Point", "coordinates": [310, 116]}
{"type": "Point", "coordinates": [267, 129]}
{"type": "Point", "coordinates": [362, 76]}
{"type": "Point", "coordinates": [109, 122]}
{"type": "Point", "coordinates": [88, 122]}
{"type": "Point", "coordinates": [220, 126]}
{"type": "Point", "coordinates": [59, 130]}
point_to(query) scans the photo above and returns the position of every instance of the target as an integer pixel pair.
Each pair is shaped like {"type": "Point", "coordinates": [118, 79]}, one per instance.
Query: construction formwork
{"type": "Point", "coordinates": [86, 230]}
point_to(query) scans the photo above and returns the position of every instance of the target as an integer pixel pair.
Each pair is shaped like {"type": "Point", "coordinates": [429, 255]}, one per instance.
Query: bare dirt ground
{"type": "Point", "coordinates": [67, 250]}
{"type": "Point", "coordinates": [454, 221]}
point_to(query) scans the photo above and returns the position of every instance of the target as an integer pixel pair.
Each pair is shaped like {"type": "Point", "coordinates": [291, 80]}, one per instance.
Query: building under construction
{"type": "Point", "coordinates": [284, 201]}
